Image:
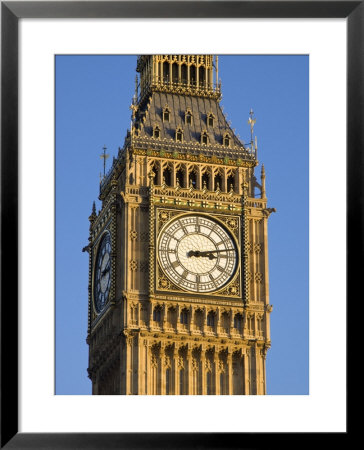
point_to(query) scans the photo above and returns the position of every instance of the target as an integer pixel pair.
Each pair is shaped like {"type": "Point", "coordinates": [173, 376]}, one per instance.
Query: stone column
{"type": "Point", "coordinates": [231, 321]}
{"type": "Point", "coordinates": [203, 371]}
{"type": "Point", "coordinates": [163, 369]}
{"type": "Point", "coordinates": [129, 365]}
{"type": "Point", "coordinates": [164, 316]}
{"type": "Point", "coordinates": [173, 175]}
{"type": "Point", "coordinates": [230, 371]}
{"type": "Point", "coordinates": [160, 174]}
{"type": "Point", "coordinates": [198, 178]}
{"type": "Point", "coordinates": [224, 187]}
{"type": "Point", "coordinates": [151, 306]}
{"type": "Point", "coordinates": [217, 373]}
{"type": "Point", "coordinates": [146, 370]}
{"type": "Point", "coordinates": [175, 371]}
{"type": "Point", "coordinates": [204, 319]}
{"type": "Point", "coordinates": [177, 319]}
{"type": "Point", "coordinates": [246, 372]}
{"type": "Point", "coordinates": [217, 325]}
{"type": "Point", "coordinates": [189, 370]}
{"type": "Point", "coordinates": [191, 320]}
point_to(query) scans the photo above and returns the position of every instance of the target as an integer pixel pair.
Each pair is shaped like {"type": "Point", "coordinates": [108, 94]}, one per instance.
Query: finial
{"type": "Point", "coordinates": [104, 156]}
{"type": "Point", "coordinates": [251, 122]}
{"type": "Point", "coordinates": [93, 208]}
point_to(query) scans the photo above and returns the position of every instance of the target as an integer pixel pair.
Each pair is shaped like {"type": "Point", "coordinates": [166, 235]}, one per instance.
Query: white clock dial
{"type": "Point", "coordinates": [197, 253]}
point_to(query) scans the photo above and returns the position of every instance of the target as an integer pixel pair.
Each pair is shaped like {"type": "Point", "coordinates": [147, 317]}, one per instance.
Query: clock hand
{"type": "Point", "coordinates": [209, 253]}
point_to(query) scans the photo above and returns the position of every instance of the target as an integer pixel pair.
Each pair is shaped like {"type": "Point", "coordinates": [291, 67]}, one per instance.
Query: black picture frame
{"type": "Point", "coordinates": [11, 12]}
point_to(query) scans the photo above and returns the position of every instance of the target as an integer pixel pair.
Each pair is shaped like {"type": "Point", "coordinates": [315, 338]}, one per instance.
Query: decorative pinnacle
{"type": "Point", "coordinates": [262, 177]}
{"type": "Point", "coordinates": [93, 213]}
{"type": "Point", "coordinates": [263, 171]}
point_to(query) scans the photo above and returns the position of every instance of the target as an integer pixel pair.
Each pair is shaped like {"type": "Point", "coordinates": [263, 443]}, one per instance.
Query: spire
{"type": "Point", "coordinates": [93, 213]}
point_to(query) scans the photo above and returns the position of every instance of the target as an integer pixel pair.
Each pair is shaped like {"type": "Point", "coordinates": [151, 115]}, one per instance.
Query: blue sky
{"type": "Point", "coordinates": [93, 95]}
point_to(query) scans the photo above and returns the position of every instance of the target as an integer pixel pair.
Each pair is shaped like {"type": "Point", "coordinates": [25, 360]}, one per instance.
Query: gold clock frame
{"type": "Point", "coordinates": [231, 288]}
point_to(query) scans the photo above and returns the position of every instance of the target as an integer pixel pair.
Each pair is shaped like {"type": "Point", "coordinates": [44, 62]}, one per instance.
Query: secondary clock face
{"type": "Point", "coordinates": [102, 274]}
{"type": "Point", "coordinates": [197, 253]}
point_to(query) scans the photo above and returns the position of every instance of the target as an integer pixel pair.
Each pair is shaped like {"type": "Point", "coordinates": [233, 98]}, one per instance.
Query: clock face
{"type": "Point", "coordinates": [102, 274]}
{"type": "Point", "coordinates": [197, 253]}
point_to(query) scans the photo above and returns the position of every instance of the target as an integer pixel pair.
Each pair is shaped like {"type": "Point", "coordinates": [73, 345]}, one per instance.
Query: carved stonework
{"type": "Point", "coordinates": [258, 277]}
{"type": "Point", "coordinates": [133, 265]}
{"type": "Point", "coordinates": [176, 325]}
{"type": "Point", "coordinates": [133, 235]}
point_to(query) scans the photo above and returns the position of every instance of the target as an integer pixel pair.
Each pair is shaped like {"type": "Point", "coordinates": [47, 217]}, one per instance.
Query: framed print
{"type": "Point", "coordinates": [52, 57]}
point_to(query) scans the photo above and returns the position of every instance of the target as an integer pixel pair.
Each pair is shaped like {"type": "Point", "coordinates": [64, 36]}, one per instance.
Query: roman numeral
{"type": "Point", "coordinates": [183, 227]}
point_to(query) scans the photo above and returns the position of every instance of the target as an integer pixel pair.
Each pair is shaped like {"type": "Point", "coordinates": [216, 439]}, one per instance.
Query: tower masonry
{"type": "Point", "coordinates": [178, 253]}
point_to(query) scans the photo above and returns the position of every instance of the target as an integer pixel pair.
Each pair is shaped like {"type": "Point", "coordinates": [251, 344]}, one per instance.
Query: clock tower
{"type": "Point", "coordinates": [178, 253]}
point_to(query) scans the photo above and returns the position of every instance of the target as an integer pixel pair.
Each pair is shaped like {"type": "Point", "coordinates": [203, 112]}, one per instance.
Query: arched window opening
{"type": "Point", "coordinates": [210, 319]}
{"type": "Point", "coordinates": [210, 120]}
{"type": "Point", "coordinates": [231, 183]}
{"type": "Point", "coordinates": [175, 73]}
{"type": "Point", "coordinates": [226, 140]}
{"type": "Point", "coordinates": [156, 132]}
{"type": "Point", "coordinates": [155, 171]}
{"type": "Point", "coordinates": [205, 180]}
{"type": "Point", "coordinates": [165, 71]}
{"type": "Point", "coordinates": [238, 322]}
{"type": "Point", "coordinates": [167, 176]}
{"type": "Point", "coordinates": [184, 73]}
{"type": "Point", "coordinates": [217, 182]}
{"type": "Point", "coordinates": [179, 135]}
{"type": "Point", "coordinates": [192, 179]}
{"type": "Point", "coordinates": [201, 76]}
{"type": "Point", "coordinates": [188, 118]}
{"type": "Point", "coordinates": [157, 314]}
{"type": "Point", "coordinates": [193, 75]}
{"type": "Point", "coordinates": [184, 316]}
{"type": "Point", "coordinates": [179, 177]}
{"type": "Point", "coordinates": [166, 114]}
{"type": "Point", "coordinates": [199, 319]}
{"type": "Point", "coordinates": [204, 138]}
